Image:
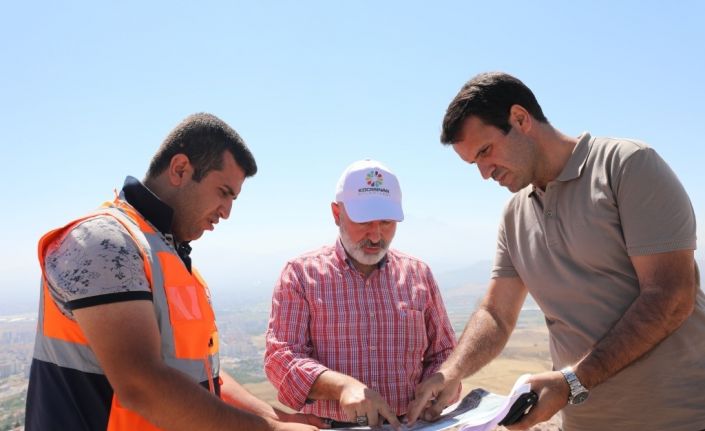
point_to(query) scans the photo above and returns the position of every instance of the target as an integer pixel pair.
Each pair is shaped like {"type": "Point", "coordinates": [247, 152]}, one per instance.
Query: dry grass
{"type": "Point", "coordinates": [526, 352]}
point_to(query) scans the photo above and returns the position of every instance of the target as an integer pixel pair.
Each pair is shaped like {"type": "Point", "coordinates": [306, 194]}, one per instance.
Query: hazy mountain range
{"type": "Point", "coordinates": [468, 282]}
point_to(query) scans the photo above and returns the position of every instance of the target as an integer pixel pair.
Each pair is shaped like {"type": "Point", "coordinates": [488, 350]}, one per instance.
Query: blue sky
{"type": "Point", "coordinates": [90, 89]}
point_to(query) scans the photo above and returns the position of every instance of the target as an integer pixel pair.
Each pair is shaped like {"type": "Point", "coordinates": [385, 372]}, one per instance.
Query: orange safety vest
{"type": "Point", "coordinates": [189, 337]}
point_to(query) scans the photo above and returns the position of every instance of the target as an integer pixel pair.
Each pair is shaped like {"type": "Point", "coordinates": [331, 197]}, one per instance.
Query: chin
{"type": "Point", "coordinates": [370, 259]}
{"type": "Point", "coordinates": [195, 236]}
{"type": "Point", "coordinates": [514, 188]}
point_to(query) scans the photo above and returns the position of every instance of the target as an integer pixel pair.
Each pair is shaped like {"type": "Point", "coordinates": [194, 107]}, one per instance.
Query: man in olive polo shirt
{"type": "Point", "coordinates": [602, 234]}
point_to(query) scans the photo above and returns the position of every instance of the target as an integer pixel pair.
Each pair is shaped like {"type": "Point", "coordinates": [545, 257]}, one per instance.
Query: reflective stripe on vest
{"type": "Point", "coordinates": [189, 339]}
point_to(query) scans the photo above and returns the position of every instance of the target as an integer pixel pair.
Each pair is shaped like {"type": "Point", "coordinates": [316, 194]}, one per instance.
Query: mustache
{"type": "Point", "coordinates": [367, 243]}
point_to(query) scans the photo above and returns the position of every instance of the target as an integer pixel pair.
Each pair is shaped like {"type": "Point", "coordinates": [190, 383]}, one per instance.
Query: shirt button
{"type": "Point", "coordinates": [372, 314]}
{"type": "Point", "coordinates": [549, 213]}
{"type": "Point", "coordinates": [373, 347]}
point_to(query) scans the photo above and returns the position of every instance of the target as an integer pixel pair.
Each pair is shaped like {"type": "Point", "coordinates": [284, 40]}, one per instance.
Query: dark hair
{"type": "Point", "coordinates": [203, 138]}
{"type": "Point", "coordinates": [488, 96]}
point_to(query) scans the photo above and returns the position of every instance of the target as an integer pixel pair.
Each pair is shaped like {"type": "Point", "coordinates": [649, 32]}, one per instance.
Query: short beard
{"type": "Point", "coordinates": [355, 250]}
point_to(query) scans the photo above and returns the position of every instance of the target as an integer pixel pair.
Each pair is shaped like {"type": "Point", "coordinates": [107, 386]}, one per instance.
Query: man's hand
{"type": "Point", "coordinates": [482, 340]}
{"type": "Point", "coordinates": [432, 396]}
{"type": "Point", "coordinates": [235, 394]}
{"type": "Point", "coordinates": [357, 400]}
{"type": "Point", "coordinates": [553, 393]}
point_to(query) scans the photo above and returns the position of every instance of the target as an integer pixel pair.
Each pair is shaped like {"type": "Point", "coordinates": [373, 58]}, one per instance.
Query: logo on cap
{"type": "Point", "coordinates": [374, 178]}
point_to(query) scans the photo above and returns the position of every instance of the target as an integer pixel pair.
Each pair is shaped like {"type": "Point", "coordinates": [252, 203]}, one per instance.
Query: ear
{"type": "Point", "coordinates": [520, 118]}
{"type": "Point", "coordinates": [180, 170]}
{"type": "Point", "coordinates": [335, 208]}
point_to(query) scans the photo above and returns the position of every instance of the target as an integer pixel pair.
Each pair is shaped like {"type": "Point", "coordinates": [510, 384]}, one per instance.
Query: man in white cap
{"type": "Point", "coordinates": [356, 325]}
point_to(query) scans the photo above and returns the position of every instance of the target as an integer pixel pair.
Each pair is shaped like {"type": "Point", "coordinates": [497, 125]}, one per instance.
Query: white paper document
{"type": "Point", "coordinates": [477, 411]}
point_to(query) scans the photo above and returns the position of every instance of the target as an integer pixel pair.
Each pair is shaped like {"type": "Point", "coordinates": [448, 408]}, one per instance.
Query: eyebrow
{"type": "Point", "coordinates": [483, 148]}
{"type": "Point", "coordinates": [230, 191]}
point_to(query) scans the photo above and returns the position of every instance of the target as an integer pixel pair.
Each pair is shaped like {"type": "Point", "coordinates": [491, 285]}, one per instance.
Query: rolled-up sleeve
{"type": "Point", "coordinates": [287, 361]}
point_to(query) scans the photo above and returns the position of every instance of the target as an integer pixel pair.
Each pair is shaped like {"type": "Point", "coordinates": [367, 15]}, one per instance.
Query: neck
{"type": "Point", "coordinates": [159, 188]}
{"type": "Point", "coordinates": [556, 149]}
{"type": "Point", "coordinates": [165, 194]}
{"type": "Point", "coordinates": [364, 269]}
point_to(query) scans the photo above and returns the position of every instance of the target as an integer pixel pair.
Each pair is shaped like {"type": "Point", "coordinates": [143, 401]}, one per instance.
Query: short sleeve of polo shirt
{"type": "Point", "coordinates": [96, 262]}
{"type": "Point", "coordinates": [503, 266]}
{"type": "Point", "coordinates": [655, 211]}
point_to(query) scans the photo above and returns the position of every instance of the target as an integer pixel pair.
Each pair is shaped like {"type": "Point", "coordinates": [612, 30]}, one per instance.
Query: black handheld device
{"type": "Point", "coordinates": [520, 407]}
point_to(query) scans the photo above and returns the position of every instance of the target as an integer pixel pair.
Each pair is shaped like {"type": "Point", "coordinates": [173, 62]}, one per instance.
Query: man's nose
{"type": "Point", "coordinates": [485, 170]}
{"type": "Point", "coordinates": [224, 211]}
{"type": "Point", "coordinates": [374, 233]}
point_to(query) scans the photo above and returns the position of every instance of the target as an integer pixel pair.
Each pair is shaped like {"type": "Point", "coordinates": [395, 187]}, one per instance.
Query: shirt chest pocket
{"type": "Point", "coordinates": [411, 329]}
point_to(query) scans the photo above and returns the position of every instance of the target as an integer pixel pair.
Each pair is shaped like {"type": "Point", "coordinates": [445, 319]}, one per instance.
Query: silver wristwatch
{"type": "Point", "coordinates": [578, 392]}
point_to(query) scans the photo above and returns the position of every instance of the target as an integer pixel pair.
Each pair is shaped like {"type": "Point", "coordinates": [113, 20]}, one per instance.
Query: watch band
{"type": "Point", "coordinates": [578, 392]}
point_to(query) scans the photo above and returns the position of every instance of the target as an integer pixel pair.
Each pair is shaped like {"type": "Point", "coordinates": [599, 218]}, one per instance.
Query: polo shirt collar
{"type": "Point", "coordinates": [159, 214]}
{"type": "Point", "coordinates": [156, 212]}
{"type": "Point", "coordinates": [574, 167]}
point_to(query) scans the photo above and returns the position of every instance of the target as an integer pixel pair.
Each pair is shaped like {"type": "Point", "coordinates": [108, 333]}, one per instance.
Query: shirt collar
{"type": "Point", "coordinates": [574, 167]}
{"type": "Point", "coordinates": [156, 212]}
{"type": "Point", "coordinates": [344, 258]}
{"type": "Point", "coordinates": [159, 214]}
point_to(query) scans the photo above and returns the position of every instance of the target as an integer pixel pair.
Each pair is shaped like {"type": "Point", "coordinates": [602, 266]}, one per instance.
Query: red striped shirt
{"type": "Point", "coordinates": [389, 331]}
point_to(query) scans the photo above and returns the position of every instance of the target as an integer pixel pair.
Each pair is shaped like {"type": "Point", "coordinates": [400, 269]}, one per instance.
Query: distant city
{"type": "Point", "coordinates": [241, 329]}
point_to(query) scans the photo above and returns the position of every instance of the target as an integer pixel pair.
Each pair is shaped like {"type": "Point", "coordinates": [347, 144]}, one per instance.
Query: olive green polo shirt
{"type": "Point", "coordinates": [571, 246]}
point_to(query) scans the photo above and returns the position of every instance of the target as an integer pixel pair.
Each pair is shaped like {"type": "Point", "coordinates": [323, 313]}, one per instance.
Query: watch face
{"type": "Point", "coordinates": [579, 397]}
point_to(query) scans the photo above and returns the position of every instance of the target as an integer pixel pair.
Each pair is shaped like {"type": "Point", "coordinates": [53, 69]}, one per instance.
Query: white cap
{"type": "Point", "coordinates": [369, 191]}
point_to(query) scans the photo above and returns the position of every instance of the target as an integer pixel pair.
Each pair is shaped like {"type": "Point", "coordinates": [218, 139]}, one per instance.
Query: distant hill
{"type": "Point", "coordinates": [470, 281]}
{"type": "Point", "coordinates": [477, 274]}
{"type": "Point", "coordinates": [20, 301]}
